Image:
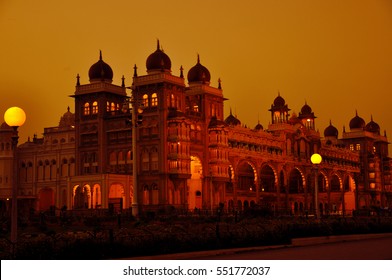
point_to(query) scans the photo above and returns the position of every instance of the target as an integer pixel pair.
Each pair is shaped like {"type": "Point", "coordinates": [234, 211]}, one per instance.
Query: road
{"type": "Point", "coordinates": [368, 249]}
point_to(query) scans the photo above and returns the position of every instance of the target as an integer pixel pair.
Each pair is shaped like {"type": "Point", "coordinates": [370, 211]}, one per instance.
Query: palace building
{"type": "Point", "coordinates": [188, 155]}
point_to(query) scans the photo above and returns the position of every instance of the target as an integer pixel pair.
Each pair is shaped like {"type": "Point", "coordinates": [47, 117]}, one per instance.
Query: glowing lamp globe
{"type": "Point", "coordinates": [15, 116]}
{"type": "Point", "coordinates": [316, 159]}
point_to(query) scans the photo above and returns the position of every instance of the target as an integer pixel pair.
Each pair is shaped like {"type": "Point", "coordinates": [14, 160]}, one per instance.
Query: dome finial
{"type": "Point", "coordinates": [123, 81]}
{"type": "Point", "coordinates": [371, 117]}
{"type": "Point", "coordinates": [231, 112]}
{"type": "Point", "coordinates": [100, 55]}
{"type": "Point", "coordinates": [219, 83]}
{"type": "Point", "coordinates": [198, 58]}
{"type": "Point", "coordinates": [356, 112]}
{"type": "Point", "coordinates": [68, 109]}
{"type": "Point", "coordinates": [158, 44]}
{"type": "Point", "coordinates": [77, 80]}
{"type": "Point", "coordinates": [135, 71]}
{"type": "Point", "coordinates": [181, 72]}
{"type": "Point", "coordinates": [330, 122]}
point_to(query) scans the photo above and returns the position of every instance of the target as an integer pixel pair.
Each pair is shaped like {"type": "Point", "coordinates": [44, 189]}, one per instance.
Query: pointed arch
{"type": "Point", "coordinates": [268, 178]}
{"type": "Point", "coordinates": [297, 181]}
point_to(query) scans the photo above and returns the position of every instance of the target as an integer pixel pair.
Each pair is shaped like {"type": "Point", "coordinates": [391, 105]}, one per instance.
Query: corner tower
{"type": "Point", "coordinates": [95, 104]}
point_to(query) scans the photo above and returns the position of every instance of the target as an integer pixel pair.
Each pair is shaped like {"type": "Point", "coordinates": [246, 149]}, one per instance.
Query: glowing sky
{"type": "Point", "coordinates": [335, 55]}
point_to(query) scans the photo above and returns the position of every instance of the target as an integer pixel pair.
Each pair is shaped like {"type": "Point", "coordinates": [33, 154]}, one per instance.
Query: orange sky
{"type": "Point", "coordinates": [336, 55]}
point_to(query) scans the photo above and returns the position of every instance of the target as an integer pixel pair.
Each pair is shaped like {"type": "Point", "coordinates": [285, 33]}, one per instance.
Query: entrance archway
{"type": "Point", "coordinates": [246, 177]}
{"type": "Point", "coordinates": [81, 197]}
{"type": "Point", "coordinates": [195, 184]}
{"type": "Point", "coordinates": [116, 197]}
{"type": "Point", "coordinates": [296, 182]}
{"type": "Point", "coordinates": [267, 179]}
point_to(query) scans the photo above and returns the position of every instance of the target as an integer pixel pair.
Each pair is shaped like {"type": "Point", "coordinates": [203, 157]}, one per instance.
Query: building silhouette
{"type": "Point", "coordinates": [189, 155]}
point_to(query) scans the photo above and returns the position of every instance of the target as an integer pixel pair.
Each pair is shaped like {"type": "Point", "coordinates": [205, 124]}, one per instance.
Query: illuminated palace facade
{"type": "Point", "coordinates": [188, 155]}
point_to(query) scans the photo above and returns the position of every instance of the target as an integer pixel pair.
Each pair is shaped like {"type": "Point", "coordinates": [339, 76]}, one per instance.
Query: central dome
{"type": "Point", "coordinates": [158, 60]}
{"type": "Point", "coordinates": [357, 122]}
{"type": "Point", "coordinates": [199, 73]}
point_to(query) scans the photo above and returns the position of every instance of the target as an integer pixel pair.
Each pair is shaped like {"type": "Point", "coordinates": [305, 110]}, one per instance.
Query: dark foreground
{"type": "Point", "coordinates": [95, 237]}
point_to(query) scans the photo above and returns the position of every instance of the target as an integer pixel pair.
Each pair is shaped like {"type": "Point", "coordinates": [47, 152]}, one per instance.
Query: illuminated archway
{"type": "Point", "coordinates": [116, 197]}
{"type": "Point", "coordinates": [349, 196]}
{"type": "Point", "coordinates": [335, 183]}
{"type": "Point", "coordinates": [97, 196]}
{"type": "Point", "coordinates": [267, 179]}
{"type": "Point", "coordinates": [247, 176]}
{"type": "Point", "coordinates": [81, 197]}
{"type": "Point", "coordinates": [195, 184]}
{"type": "Point", "coordinates": [296, 181]}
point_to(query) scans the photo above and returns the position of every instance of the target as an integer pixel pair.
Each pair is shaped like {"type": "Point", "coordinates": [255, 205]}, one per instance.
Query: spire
{"type": "Point", "coordinates": [100, 55]}
{"type": "Point", "coordinates": [135, 71]}
{"type": "Point", "coordinates": [198, 58]}
{"type": "Point", "coordinates": [181, 72]}
{"type": "Point", "coordinates": [371, 117]}
{"type": "Point", "coordinates": [123, 83]}
{"type": "Point", "coordinates": [77, 80]}
{"type": "Point", "coordinates": [68, 109]}
{"type": "Point", "coordinates": [356, 112]}
{"type": "Point", "coordinates": [158, 47]}
{"type": "Point", "coordinates": [219, 83]}
{"type": "Point", "coordinates": [330, 122]}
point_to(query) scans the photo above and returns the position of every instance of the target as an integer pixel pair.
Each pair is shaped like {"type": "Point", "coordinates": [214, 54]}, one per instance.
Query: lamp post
{"type": "Point", "coordinates": [136, 109]}
{"type": "Point", "coordinates": [14, 117]}
{"type": "Point", "coordinates": [316, 160]}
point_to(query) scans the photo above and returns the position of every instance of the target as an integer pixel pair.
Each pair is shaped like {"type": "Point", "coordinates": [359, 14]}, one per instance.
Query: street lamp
{"type": "Point", "coordinates": [14, 117]}
{"type": "Point", "coordinates": [316, 160]}
{"type": "Point", "coordinates": [135, 120]}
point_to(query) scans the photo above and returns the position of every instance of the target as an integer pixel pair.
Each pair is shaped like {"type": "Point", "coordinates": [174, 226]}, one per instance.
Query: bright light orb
{"type": "Point", "coordinates": [316, 159]}
{"type": "Point", "coordinates": [15, 116]}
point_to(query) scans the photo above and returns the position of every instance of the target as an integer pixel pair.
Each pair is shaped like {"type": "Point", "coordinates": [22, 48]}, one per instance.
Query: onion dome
{"type": "Point", "coordinates": [199, 73]}
{"type": "Point", "coordinates": [259, 126]}
{"type": "Point", "coordinates": [357, 122]}
{"type": "Point", "coordinates": [158, 61]}
{"type": "Point", "coordinates": [67, 120]}
{"type": "Point", "coordinates": [100, 71]}
{"type": "Point", "coordinates": [331, 131]}
{"type": "Point", "coordinates": [373, 126]}
{"type": "Point", "coordinates": [306, 110]}
{"type": "Point", "coordinates": [231, 120]}
{"type": "Point", "coordinates": [279, 101]}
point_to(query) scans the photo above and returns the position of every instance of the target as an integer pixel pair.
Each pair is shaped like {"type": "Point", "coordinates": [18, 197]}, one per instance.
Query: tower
{"type": "Point", "coordinates": [163, 138]}
{"type": "Point", "coordinates": [96, 105]}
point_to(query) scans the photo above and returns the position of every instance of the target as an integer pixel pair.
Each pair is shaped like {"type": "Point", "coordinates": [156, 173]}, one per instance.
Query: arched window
{"type": "Point", "coordinates": [107, 106]}
{"type": "Point", "coordinates": [86, 110]}
{"type": "Point", "coordinates": [95, 107]}
{"type": "Point", "coordinates": [112, 107]}
{"type": "Point", "coordinates": [154, 100]}
{"type": "Point", "coordinates": [145, 100]}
